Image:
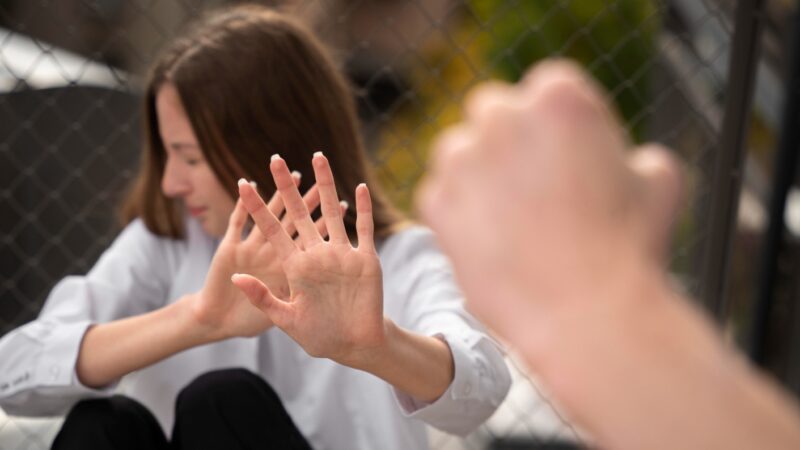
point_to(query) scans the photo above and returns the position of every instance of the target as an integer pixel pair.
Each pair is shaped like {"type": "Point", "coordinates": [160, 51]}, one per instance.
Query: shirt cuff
{"type": "Point", "coordinates": [465, 381]}
{"type": "Point", "coordinates": [58, 366]}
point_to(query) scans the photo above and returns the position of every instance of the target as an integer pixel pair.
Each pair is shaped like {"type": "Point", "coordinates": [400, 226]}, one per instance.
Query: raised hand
{"type": "Point", "coordinates": [534, 194]}
{"type": "Point", "coordinates": [558, 236]}
{"type": "Point", "coordinates": [220, 306]}
{"type": "Point", "coordinates": [335, 303]}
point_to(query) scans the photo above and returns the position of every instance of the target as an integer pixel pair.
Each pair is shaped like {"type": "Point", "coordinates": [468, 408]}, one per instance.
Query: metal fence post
{"type": "Point", "coordinates": [727, 174]}
{"type": "Point", "coordinates": [785, 170]}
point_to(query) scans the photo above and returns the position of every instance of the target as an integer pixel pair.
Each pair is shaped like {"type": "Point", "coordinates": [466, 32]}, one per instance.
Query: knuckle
{"type": "Point", "coordinates": [484, 97]}
{"type": "Point", "coordinates": [269, 228]}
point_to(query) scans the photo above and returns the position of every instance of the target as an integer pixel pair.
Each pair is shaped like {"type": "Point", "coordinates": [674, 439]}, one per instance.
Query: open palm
{"type": "Point", "coordinates": [220, 305]}
{"type": "Point", "coordinates": [335, 303]}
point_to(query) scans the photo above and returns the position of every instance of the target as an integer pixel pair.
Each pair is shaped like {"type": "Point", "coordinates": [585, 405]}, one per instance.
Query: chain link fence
{"type": "Point", "coordinates": [69, 124]}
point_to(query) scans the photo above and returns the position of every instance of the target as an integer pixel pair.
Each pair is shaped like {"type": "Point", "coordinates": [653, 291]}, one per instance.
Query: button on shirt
{"type": "Point", "coordinates": [334, 406]}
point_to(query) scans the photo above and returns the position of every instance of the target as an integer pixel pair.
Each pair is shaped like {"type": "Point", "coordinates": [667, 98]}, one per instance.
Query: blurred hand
{"type": "Point", "coordinates": [559, 237]}
{"type": "Point", "coordinates": [335, 304]}
{"type": "Point", "coordinates": [537, 203]}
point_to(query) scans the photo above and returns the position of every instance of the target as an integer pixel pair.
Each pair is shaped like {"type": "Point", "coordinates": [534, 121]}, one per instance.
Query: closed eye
{"type": "Point", "coordinates": [190, 152]}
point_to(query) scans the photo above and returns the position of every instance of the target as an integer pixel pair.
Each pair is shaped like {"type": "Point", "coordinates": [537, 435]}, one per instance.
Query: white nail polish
{"type": "Point", "coordinates": [275, 157]}
{"type": "Point", "coordinates": [253, 183]}
{"type": "Point", "coordinates": [241, 181]}
{"type": "Point", "coordinates": [297, 174]}
{"type": "Point", "coordinates": [344, 204]}
{"type": "Point", "coordinates": [317, 154]}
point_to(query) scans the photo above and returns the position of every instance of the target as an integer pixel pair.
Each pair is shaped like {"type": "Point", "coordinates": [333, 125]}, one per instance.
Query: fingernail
{"type": "Point", "coordinates": [234, 276]}
{"type": "Point", "coordinates": [362, 184]}
{"type": "Point", "coordinates": [317, 154]}
{"type": "Point", "coordinates": [253, 183]}
{"type": "Point", "coordinates": [241, 182]}
{"type": "Point", "coordinates": [297, 174]}
{"type": "Point", "coordinates": [344, 204]}
{"type": "Point", "coordinates": [275, 157]}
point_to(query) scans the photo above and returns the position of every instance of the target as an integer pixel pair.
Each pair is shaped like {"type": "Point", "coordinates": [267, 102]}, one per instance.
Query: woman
{"type": "Point", "coordinates": [159, 322]}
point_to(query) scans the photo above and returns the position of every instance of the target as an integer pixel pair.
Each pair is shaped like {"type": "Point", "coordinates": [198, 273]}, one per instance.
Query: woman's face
{"type": "Point", "coordinates": [187, 175]}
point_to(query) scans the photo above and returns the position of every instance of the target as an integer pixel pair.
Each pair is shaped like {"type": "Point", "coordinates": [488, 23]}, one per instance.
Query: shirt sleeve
{"type": "Point", "coordinates": [433, 305]}
{"type": "Point", "coordinates": [37, 360]}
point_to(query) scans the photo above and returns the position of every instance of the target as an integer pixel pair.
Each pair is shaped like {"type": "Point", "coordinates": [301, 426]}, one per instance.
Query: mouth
{"type": "Point", "coordinates": [196, 211]}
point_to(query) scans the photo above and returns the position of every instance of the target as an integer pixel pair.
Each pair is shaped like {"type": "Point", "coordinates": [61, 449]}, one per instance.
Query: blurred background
{"type": "Point", "coordinates": [707, 77]}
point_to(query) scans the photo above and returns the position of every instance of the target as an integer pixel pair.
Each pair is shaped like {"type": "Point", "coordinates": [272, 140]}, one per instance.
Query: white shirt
{"type": "Point", "coordinates": [333, 406]}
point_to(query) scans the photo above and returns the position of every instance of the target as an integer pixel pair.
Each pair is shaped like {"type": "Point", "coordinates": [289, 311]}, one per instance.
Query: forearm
{"type": "Point", "coordinates": [421, 366]}
{"type": "Point", "coordinates": [110, 350]}
{"type": "Point", "coordinates": [722, 401]}
{"type": "Point", "coordinates": [638, 370]}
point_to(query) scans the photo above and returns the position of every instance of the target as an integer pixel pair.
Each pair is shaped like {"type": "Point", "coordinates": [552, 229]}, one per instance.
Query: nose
{"type": "Point", "coordinates": [174, 182]}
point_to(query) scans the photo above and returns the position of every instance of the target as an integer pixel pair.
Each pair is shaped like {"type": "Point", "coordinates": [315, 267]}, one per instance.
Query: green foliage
{"type": "Point", "coordinates": [502, 39]}
{"type": "Point", "coordinates": [613, 39]}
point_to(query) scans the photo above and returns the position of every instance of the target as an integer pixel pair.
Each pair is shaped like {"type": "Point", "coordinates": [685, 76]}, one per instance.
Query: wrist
{"type": "Point", "coordinates": [191, 320]}
{"type": "Point", "coordinates": [625, 348]}
{"type": "Point", "coordinates": [604, 322]}
{"type": "Point", "coordinates": [421, 366]}
{"type": "Point", "coordinates": [372, 357]}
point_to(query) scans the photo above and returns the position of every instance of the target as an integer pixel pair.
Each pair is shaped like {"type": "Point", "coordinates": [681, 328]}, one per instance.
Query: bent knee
{"type": "Point", "coordinates": [107, 410]}
{"type": "Point", "coordinates": [219, 384]}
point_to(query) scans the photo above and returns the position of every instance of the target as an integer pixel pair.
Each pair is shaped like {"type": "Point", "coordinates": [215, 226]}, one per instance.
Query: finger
{"type": "Point", "coordinates": [329, 201]}
{"type": "Point", "coordinates": [428, 202]}
{"type": "Point", "coordinates": [489, 110]}
{"type": "Point", "coordinates": [296, 177]}
{"type": "Point", "coordinates": [254, 235]}
{"type": "Point", "coordinates": [564, 91]}
{"type": "Point", "coordinates": [449, 146]}
{"type": "Point", "coordinates": [553, 69]}
{"type": "Point", "coordinates": [236, 221]}
{"type": "Point", "coordinates": [321, 228]}
{"type": "Point", "coordinates": [278, 311]}
{"type": "Point", "coordinates": [311, 199]}
{"type": "Point", "coordinates": [662, 179]}
{"type": "Point", "coordinates": [454, 155]}
{"type": "Point", "coordinates": [275, 205]}
{"type": "Point", "coordinates": [320, 223]}
{"type": "Point", "coordinates": [364, 225]}
{"type": "Point", "coordinates": [481, 101]}
{"type": "Point", "coordinates": [295, 207]}
{"type": "Point", "coordinates": [266, 222]}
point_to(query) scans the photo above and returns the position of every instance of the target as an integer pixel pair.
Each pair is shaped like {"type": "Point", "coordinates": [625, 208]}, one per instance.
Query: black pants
{"type": "Point", "coordinates": [224, 409]}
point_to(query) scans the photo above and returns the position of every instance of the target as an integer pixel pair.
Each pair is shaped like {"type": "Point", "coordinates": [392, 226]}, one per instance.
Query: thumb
{"type": "Point", "coordinates": [663, 179]}
{"type": "Point", "coordinates": [260, 296]}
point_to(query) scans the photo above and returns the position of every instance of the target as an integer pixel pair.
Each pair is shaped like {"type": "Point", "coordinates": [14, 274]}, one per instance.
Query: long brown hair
{"type": "Point", "coordinates": [253, 83]}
